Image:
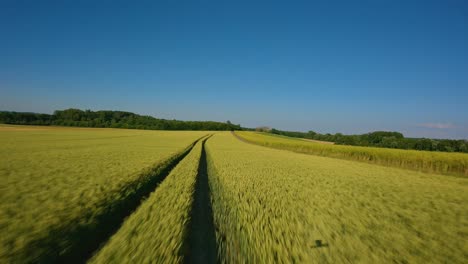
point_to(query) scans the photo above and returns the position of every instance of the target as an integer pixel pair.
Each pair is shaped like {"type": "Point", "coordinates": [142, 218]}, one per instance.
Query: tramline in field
{"type": "Point", "coordinates": [156, 231]}
{"type": "Point", "coordinates": [455, 164]}
{"type": "Point", "coordinates": [277, 206]}
{"type": "Point", "coordinates": [60, 184]}
{"type": "Point", "coordinates": [121, 196]}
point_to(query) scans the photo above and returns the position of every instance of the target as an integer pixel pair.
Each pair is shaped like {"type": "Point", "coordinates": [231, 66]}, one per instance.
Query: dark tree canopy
{"type": "Point", "coordinates": [383, 139]}
{"type": "Point", "coordinates": [111, 119]}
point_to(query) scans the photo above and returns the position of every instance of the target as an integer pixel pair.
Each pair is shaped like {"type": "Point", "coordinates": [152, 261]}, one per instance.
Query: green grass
{"type": "Point", "coordinates": [156, 232]}
{"type": "Point", "coordinates": [271, 206]}
{"type": "Point", "coordinates": [433, 162]}
{"type": "Point", "coordinates": [56, 180]}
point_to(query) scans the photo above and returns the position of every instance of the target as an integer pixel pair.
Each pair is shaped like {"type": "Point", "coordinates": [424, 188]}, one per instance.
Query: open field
{"type": "Point", "coordinates": [135, 196]}
{"type": "Point", "coordinates": [272, 206]}
{"type": "Point", "coordinates": [58, 184]}
{"type": "Point", "coordinates": [318, 141]}
{"type": "Point", "coordinates": [427, 161]}
{"type": "Point", "coordinates": [4, 127]}
{"type": "Point", "coordinates": [156, 231]}
{"type": "Point", "coordinates": [295, 138]}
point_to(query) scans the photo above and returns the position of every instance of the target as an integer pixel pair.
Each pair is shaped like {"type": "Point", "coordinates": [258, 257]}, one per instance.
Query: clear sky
{"type": "Point", "coordinates": [327, 66]}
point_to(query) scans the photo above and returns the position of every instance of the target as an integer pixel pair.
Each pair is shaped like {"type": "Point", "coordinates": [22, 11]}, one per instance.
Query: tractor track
{"type": "Point", "coordinates": [200, 243]}
{"type": "Point", "coordinates": [78, 243]}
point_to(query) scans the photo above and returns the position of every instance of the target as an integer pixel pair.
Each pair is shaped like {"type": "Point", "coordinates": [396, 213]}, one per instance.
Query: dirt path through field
{"type": "Point", "coordinates": [239, 138]}
{"type": "Point", "coordinates": [202, 247]}
{"type": "Point", "coordinates": [84, 240]}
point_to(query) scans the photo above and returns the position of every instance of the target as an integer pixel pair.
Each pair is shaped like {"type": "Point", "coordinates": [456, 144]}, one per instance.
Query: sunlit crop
{"type": "Point", "coordinates": [54, 180]}
{"type": "Point", "coordinates": [155, 233]}
{"type": "Point", "coordinates": [132, 196]}
{"type": "Point", "coordinates": [275, 206]}
{"type": "Point", "coordinates": [427, 161]}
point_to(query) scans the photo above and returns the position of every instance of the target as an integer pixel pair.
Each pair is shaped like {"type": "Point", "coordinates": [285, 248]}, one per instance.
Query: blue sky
{"type": "Point", "coordinates": [327, 66]}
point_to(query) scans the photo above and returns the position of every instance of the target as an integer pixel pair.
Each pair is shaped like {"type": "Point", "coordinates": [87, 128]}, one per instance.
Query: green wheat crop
{"type": "Point", "coordinates": [63, 178]}
{"type": "Point", "coordinates": [155, 232]}
{"type": "Point", "coordinates": [427, 161]}
{"type": "Point", "coordinates": [275, 206]}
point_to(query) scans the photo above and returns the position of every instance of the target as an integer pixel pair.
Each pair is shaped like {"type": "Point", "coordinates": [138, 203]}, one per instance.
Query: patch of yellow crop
{"type": "Point", "coordinates": [428, 161]}
{"type": "Point", "coordinates": [275, 206]}
{"type": "Point", "coordinates": [58, 177]}
{"type": "Point", "coordinates": [155, 232]}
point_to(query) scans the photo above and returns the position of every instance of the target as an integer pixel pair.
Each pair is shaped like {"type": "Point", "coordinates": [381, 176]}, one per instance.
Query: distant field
{"type": "Point", "coordinates": [296, 138]}
{"type": "Point", "coordinates": [319, 141]}
{"type": "Point", "coordinates": [274, 206]}
{"type": "Point", "coordinates": [55, 179]}
{"type": "Point", "coordinates": [136, 196]}
{"type": "Point", "coordinates": [427, 161]}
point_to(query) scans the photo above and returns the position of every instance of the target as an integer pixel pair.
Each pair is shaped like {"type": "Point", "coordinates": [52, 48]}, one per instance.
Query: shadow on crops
{"type": "Point", "coordinates": [76, 242]}
{"type": "Point", "coordinates": [200, 245]}
{"type": "Point", "coordinates": [319, 244]}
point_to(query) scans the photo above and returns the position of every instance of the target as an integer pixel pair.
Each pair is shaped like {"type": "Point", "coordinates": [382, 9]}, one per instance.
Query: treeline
{"type": "Point", "coordinates": [382, 139]}
{"type": "Point", "coordinates": [109, 119]}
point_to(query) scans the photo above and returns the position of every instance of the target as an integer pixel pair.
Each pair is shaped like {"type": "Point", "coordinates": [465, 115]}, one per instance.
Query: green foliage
{"type": "Point", "coordinates": [435, 162]}
{"type": "Point", "coordinates": [55, 181]}
{"type": "Point", "coordinates": [25, 118]}
{"type": "Point", "coordinates": [383, 139]}
{"type": "Point", "coordinates": [275, 206]}
{"type": "Point", "coordinates": [110, 119]}
{"type": "Point", "coordinates": [155, 233]}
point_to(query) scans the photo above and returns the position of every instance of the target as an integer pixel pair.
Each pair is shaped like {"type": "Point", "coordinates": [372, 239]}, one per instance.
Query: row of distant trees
{"type": "Point", "coordinates": [109, 119]}
{"type": "Point", "coordinates": [120, 119]}
{"type": "Point", "coordinates": [382, 139]}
